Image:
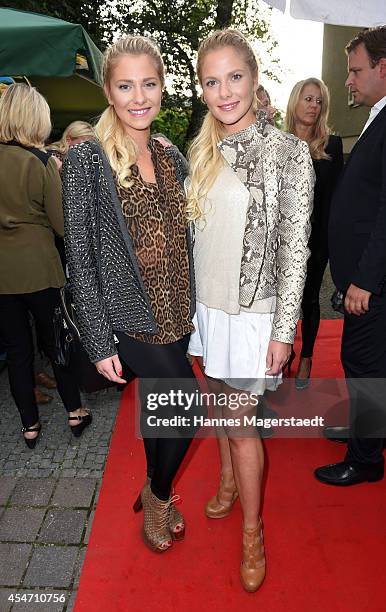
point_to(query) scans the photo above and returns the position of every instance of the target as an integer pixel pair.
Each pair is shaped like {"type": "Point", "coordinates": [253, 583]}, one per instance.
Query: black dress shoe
{"type": "Point", "coordinates": [31, 442]}
{"type": "Point", "coordinates": [83, 422]}
{"type": "Point", "coordinates": [337, 434]}
{"type": "Point", "coordinates": [344, 474]}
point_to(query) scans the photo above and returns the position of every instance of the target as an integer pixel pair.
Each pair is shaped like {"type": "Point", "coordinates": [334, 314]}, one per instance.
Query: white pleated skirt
{"type": "Point", "coordinates": [234, 347]}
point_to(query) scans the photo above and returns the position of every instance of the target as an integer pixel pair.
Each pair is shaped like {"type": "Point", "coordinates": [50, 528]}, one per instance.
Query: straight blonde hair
{"type": "Point", "coordinates": [119, 147]}
{"type": "Point", "coordinates": [204, 157]}
{"type": "Point", "coordinates": [321, 131]}
{"type": "Point", "coordinates": [76, 129]}
{"type": "Point", "coordinates": [24, 116]}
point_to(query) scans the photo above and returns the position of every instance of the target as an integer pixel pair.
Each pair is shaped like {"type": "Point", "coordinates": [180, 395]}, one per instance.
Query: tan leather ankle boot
{"type": "Point", "coordinates": [176, 520]}
{"type": "Point", "coordinates": [252, 568]}
{"type": "Point", "coordinates": [155, 531]}
{"type": "Point", "coordinates": [221, 504]}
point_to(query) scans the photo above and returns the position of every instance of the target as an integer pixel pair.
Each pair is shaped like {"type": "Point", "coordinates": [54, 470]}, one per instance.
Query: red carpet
{"type": "Point", "coordinates": [325, 545]}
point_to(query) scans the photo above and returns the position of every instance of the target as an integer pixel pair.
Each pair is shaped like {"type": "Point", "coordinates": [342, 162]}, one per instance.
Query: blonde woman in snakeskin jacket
{"type": "Point", "coordinates": [249, 195]}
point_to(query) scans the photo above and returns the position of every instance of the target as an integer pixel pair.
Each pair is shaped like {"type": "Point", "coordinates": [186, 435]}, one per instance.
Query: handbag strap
{"type": "Point", "coordinates": [95, 158]}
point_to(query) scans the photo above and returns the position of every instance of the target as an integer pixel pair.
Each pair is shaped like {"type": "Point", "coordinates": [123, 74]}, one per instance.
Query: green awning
{"type": "Point", "coordinates": [59, 58]}
{"type": "Point", "coordinates": [38, 45]}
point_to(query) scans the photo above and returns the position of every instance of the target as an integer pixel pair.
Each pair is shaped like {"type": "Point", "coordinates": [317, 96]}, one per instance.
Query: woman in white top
{"type": "Point", "coordinates": [249, 196]}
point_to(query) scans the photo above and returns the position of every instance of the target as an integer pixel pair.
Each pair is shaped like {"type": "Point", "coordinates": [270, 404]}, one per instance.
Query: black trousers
{"type": "Point", "coordinates": [364, 361]}
{"type": "Point", "coordinates": [16, 336]}
{"type": "Point", "coordinates": [163, 364]}
{"type": "Point", "coordinates": [316, 267]}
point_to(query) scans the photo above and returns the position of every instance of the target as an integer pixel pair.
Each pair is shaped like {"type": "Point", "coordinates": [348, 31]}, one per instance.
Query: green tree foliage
{"type": "Point", "coordinates": [173, 122]}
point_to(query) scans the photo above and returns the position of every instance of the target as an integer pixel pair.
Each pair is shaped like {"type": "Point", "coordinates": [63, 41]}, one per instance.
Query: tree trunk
{"type": "Point", "coordinates": [224, 14]}
{"type": "Point", "coordinates": [198, 112]}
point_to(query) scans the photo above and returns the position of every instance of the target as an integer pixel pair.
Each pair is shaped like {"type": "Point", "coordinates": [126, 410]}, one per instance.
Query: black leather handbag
{"type": "Point", "coordinates": [68, 345]}
{"type": "Point", "coordinates": [69, 348]}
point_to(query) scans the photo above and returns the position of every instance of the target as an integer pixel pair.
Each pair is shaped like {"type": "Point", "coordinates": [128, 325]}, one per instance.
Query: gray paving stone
{"type": "Point", "coordinates": [45, 473]}
{"type": "Point", "coordinates": [63, 526]}
{"type": "Point", "coordinates": [33, 473]}
{"type": "Point", "coordinates": [74, 493]}
{"type": "Point", "coordinates": [33, 492]}
{"type": "Point", "coordinates": [69, 473]}
{"type": "Point", "coordinates": [20, 524]}
{"type": "Point", "coordinates": [41, 600]}
{"type": "Point", "coordinates": [7, 484]}
{"type": "Point", "coordinates": [51, 566]}
{"type": "Point", "coordinates": [83, 473]}
{"type": "Point", "coordinates": [13, 561]}
{"type": "Point", "coordinates": [5, 605]}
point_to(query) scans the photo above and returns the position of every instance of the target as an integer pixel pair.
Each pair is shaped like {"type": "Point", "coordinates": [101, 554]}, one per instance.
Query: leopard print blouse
{"type": "Point", "coordinates": [155, 219]}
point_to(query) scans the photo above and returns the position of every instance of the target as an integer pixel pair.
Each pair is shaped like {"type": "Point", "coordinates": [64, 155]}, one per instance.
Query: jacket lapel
{"type": "Point", "coordinates": [370, 130]}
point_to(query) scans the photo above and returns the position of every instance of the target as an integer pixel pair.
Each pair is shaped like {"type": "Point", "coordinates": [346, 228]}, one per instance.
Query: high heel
{"type": "Point", "coordinates": [176, 520]}
{"type": "Point", "coordinates": [84, 421]}
{"type": "Point", "coordinates": [137, 506]}
{"type": "Point", "coordinates": [303, 383]}
{"type": "Point", "coordinates": [222, 503]}
{"type": "Point", "coordinates": [177, 524]}
{"type": "Point", "coordinates": [288, 365]}
{"type": "Point", "coordinates": [155, 531]}
{"type": "Point", "coordinates": [252, 567]}
{"type": "Point", "coordinates": [31, 442]}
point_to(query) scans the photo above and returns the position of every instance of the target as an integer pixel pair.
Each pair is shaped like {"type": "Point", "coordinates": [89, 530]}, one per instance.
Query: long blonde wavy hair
{"type": "Point", "coordinates": [204, 157]}
{"type": "Point", "coordinates": [321, 132]}
{"type": "Point", "coordinates": [75, 130]}
{"type": "Point", "coordinates": [119, 147]}
{"type": "Point", "coordinates": [24, 116]}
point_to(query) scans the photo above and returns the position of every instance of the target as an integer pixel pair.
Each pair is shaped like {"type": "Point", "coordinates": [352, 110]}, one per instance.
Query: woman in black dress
{"type": "Point", "coordinates": [306, 118]}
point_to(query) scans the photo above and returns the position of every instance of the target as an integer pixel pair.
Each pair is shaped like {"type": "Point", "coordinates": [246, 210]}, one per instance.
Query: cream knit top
{"type": "Point", "coordinates": [219, 244]}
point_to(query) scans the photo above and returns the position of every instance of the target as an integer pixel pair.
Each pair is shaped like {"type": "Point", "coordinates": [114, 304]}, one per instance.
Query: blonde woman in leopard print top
{"type": "Point", "coordinates": [141, 292]}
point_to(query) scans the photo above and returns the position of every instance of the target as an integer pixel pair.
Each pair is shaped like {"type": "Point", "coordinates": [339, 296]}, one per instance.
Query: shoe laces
{"type": "Point", "coordinates": [163, 517]}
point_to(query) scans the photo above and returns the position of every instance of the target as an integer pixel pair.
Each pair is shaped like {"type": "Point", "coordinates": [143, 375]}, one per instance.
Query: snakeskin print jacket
{"type": "Point", "coordinates": [277, 170]}
{"type": "Point", "coordinates": [105, 281]}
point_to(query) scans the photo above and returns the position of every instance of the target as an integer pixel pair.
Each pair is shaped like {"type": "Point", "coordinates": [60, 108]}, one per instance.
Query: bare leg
{"type": "Point", "coordinates": [226, 468]}
{"type": "Point", "coordinates": [221, 504]}
{"type": "Point", "coordinates": [248, 463]}
{"type": "Point", "coordinates": [247, 456]}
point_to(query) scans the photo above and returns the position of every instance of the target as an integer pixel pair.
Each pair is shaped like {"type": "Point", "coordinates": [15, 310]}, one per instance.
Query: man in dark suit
{"type": "Point", "coordinates": [357, 244]}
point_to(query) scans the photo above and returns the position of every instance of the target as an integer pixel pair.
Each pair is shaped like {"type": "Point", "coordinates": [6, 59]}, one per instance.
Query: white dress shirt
{"type": "Point", "coordinates": [374, 112]}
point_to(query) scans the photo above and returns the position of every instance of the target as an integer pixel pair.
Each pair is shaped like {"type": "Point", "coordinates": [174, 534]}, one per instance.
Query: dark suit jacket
{"type": "Point", "coordinates": [357, 226]}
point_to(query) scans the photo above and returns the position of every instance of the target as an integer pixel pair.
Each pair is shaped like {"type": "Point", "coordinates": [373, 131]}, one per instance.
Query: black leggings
{"type": "Point", "coordinates": [164, 455]}
{"type": "Point", "coordinates": [310, 303]}
{"type": "Point", "coordinates": [16, 335]}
